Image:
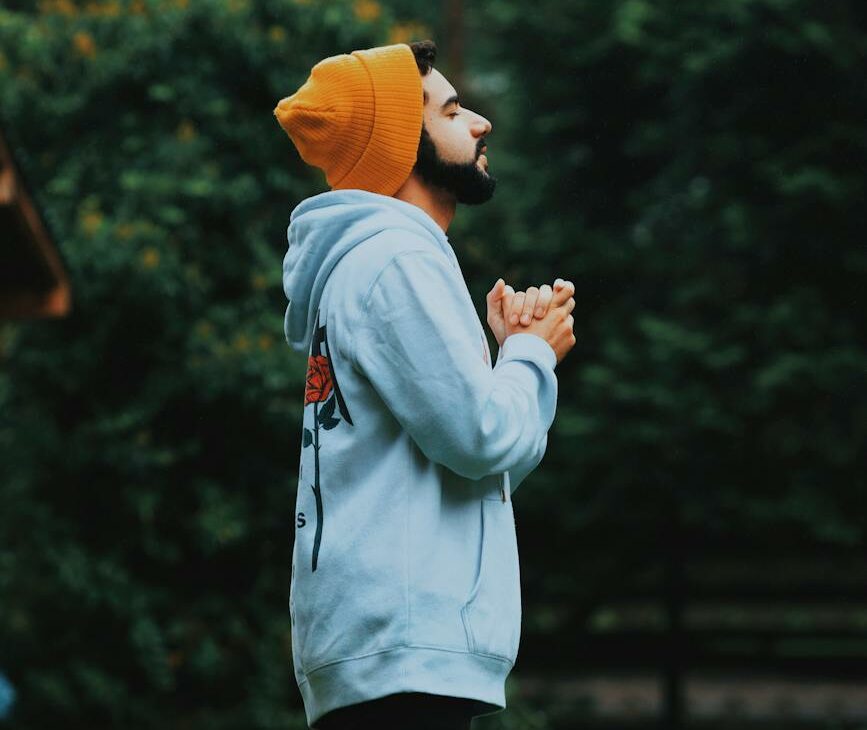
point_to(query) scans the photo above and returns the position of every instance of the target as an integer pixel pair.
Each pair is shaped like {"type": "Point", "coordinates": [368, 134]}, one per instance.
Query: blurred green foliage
{"type": "Point", "coordinates": [697, 171]}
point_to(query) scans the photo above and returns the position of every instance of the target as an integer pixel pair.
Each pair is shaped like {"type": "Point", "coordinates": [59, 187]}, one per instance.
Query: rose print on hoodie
{"type": "Point", "coordinates": [321, 389]}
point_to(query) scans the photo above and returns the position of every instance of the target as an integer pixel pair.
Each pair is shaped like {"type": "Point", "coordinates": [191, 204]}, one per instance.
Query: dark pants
{"type": "Point", "coordinates": [403, 711]}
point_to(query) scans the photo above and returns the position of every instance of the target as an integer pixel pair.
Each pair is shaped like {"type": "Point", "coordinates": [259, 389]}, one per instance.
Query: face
{"type": "Point", "coordinates": [452, 141]}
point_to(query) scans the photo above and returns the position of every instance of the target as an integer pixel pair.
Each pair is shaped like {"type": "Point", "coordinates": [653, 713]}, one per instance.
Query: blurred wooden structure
{"type": "Point", "coordinates": [726, 607]}
{"type": "Point", "coordinates": [33, 281]}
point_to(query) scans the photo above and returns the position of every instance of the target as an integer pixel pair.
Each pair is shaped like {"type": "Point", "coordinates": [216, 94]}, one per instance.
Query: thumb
{"type": "Point", "coordinates": [497, 291]}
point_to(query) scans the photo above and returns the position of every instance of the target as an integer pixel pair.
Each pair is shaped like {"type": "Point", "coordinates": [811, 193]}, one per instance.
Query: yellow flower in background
{"type": "Point", "coordinates": [124, 231]}
{"type": "Point", "coordinates": [204, 329]}
{"type": "Point", "coordinates": [59, 7]}
{"type": "Point", "coordinates": [150, 258]}
{"type": "Point", "coordinates": [109, 9]}
{"type": "Point", "coordinates": [276, 33]}
{"type": "Point", "coordinates": [3, 62]}
{"type": "Point", "coordinates": [241, 343]}
{"type": "Point", "coordinates": [407, 32]}
{"type": "Point", "coordinates": [186, 131]}
{"type": "Point", "coordinates": [91, 222]}
{"type": "Point", "coordinates": [367, 10]}
{"type": "Point", "coordinates": [182, 4]}
{"type": "Point", "coordinates": [137, 7]}
{"type": "Point", "coordinates": [258, 281]}
{"type": "Point", "coordinates": [237, 6]}
{"type": "Point", "coordinates": [265, 342]}
{"type": "Point", "coordinates": [83, 43]}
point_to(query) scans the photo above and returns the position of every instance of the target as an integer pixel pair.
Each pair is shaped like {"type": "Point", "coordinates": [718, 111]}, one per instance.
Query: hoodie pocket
{"type": "Point", "coordinates": [492, 613]}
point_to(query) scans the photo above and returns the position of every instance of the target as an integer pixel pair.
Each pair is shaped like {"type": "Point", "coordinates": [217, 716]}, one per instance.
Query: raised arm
{"type": "Point", "coordinates": [418, 345]}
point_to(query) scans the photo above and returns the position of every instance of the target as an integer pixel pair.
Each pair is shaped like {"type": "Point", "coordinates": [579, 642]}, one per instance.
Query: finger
{"type": "Point", "coordinates": [496, 291]}
{"type": "Point", "coordinates": [517, 306]}
{"type": "Point", "coordinates": [570, 304]}
{"type": "Point", "coordinates": [529, 305]}
{"type": "Point", "coordinates": [562, 294]}
{"type": "Point", "coordinates": [508, 296]}
{"type": "Point", "coordinates": [544, 300]}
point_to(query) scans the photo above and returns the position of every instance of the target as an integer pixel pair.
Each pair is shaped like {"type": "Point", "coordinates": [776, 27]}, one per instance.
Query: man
{"type": "Point", "coordinates": [405, 590]}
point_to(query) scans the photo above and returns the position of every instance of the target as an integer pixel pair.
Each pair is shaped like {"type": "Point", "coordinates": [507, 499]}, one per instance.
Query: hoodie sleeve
{"type": "Point", "coordinates": [420, 351]}
{"type": "Point", "coordinates": [520, 471]}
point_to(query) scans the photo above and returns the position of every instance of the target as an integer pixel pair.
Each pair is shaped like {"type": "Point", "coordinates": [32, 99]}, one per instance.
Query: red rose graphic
{"type": "Point", "coordinates": [318, 379]}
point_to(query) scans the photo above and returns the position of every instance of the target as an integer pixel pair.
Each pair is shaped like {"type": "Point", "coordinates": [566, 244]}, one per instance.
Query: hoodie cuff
{"type": "Point", "coordinates": [526, 346]}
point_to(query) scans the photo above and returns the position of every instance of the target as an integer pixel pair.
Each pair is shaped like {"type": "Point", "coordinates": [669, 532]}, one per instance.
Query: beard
{"type": "Point", "coordinates": [468, 182]}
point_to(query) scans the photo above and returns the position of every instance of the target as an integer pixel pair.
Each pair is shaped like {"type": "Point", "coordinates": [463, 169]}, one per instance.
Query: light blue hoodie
{"type": "Point", "coordinates": [405, 572]}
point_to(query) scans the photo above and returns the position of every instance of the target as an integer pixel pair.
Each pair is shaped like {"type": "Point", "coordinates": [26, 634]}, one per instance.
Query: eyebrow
{"type": "Point", "coordinates": [451, 100]}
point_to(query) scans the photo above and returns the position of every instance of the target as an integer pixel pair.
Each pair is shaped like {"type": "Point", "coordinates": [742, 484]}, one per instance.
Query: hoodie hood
{"type": "Point", "coordinates": [322, 229]}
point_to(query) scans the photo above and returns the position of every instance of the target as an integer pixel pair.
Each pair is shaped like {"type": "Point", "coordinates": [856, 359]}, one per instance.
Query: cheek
{"type": "Point", "coordinates": [450, 138]}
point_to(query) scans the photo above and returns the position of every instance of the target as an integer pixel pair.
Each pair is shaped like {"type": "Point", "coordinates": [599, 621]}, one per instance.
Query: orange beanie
{"type": "Point", "coordinates": [358, 117]}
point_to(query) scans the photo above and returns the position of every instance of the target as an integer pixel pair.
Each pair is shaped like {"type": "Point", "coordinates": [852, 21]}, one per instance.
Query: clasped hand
{"type": "Point", "coordinates": [543, 311]}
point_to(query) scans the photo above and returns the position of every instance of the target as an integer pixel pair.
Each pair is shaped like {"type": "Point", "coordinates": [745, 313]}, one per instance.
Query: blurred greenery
{"type": "Point", "coordinates": [695, 169]}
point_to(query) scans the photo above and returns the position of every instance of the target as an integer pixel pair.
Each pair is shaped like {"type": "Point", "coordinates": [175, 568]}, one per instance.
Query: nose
{"type": "Point", "coordinates": [482, 126]}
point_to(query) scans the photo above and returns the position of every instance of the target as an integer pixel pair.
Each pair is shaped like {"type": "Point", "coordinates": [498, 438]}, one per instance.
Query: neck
{"type": "Point", "coordinates": [438, 204]}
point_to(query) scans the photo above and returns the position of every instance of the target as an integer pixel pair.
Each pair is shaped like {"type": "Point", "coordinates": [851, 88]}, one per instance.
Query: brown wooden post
{"type": "Point", "coordinates": [33, 281]}
{"type": "Point", "coordinates": [674, 598]}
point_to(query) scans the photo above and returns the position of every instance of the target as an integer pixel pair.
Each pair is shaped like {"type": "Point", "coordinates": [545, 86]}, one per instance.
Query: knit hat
{"type": "Point", "coordinates": [358, 117]}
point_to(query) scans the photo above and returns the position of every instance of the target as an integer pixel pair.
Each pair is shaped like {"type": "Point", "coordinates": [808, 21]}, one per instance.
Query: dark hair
{"type": "Point", "coordinates": [425, 53]}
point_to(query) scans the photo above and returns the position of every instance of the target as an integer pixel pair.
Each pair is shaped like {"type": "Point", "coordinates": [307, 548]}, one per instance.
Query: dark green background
{"type": "Point", "coordinates": [698, 171]}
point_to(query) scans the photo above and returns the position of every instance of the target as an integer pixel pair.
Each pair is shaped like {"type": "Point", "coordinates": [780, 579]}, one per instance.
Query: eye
{"type": "Point", "coordinates": [454, 114]}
